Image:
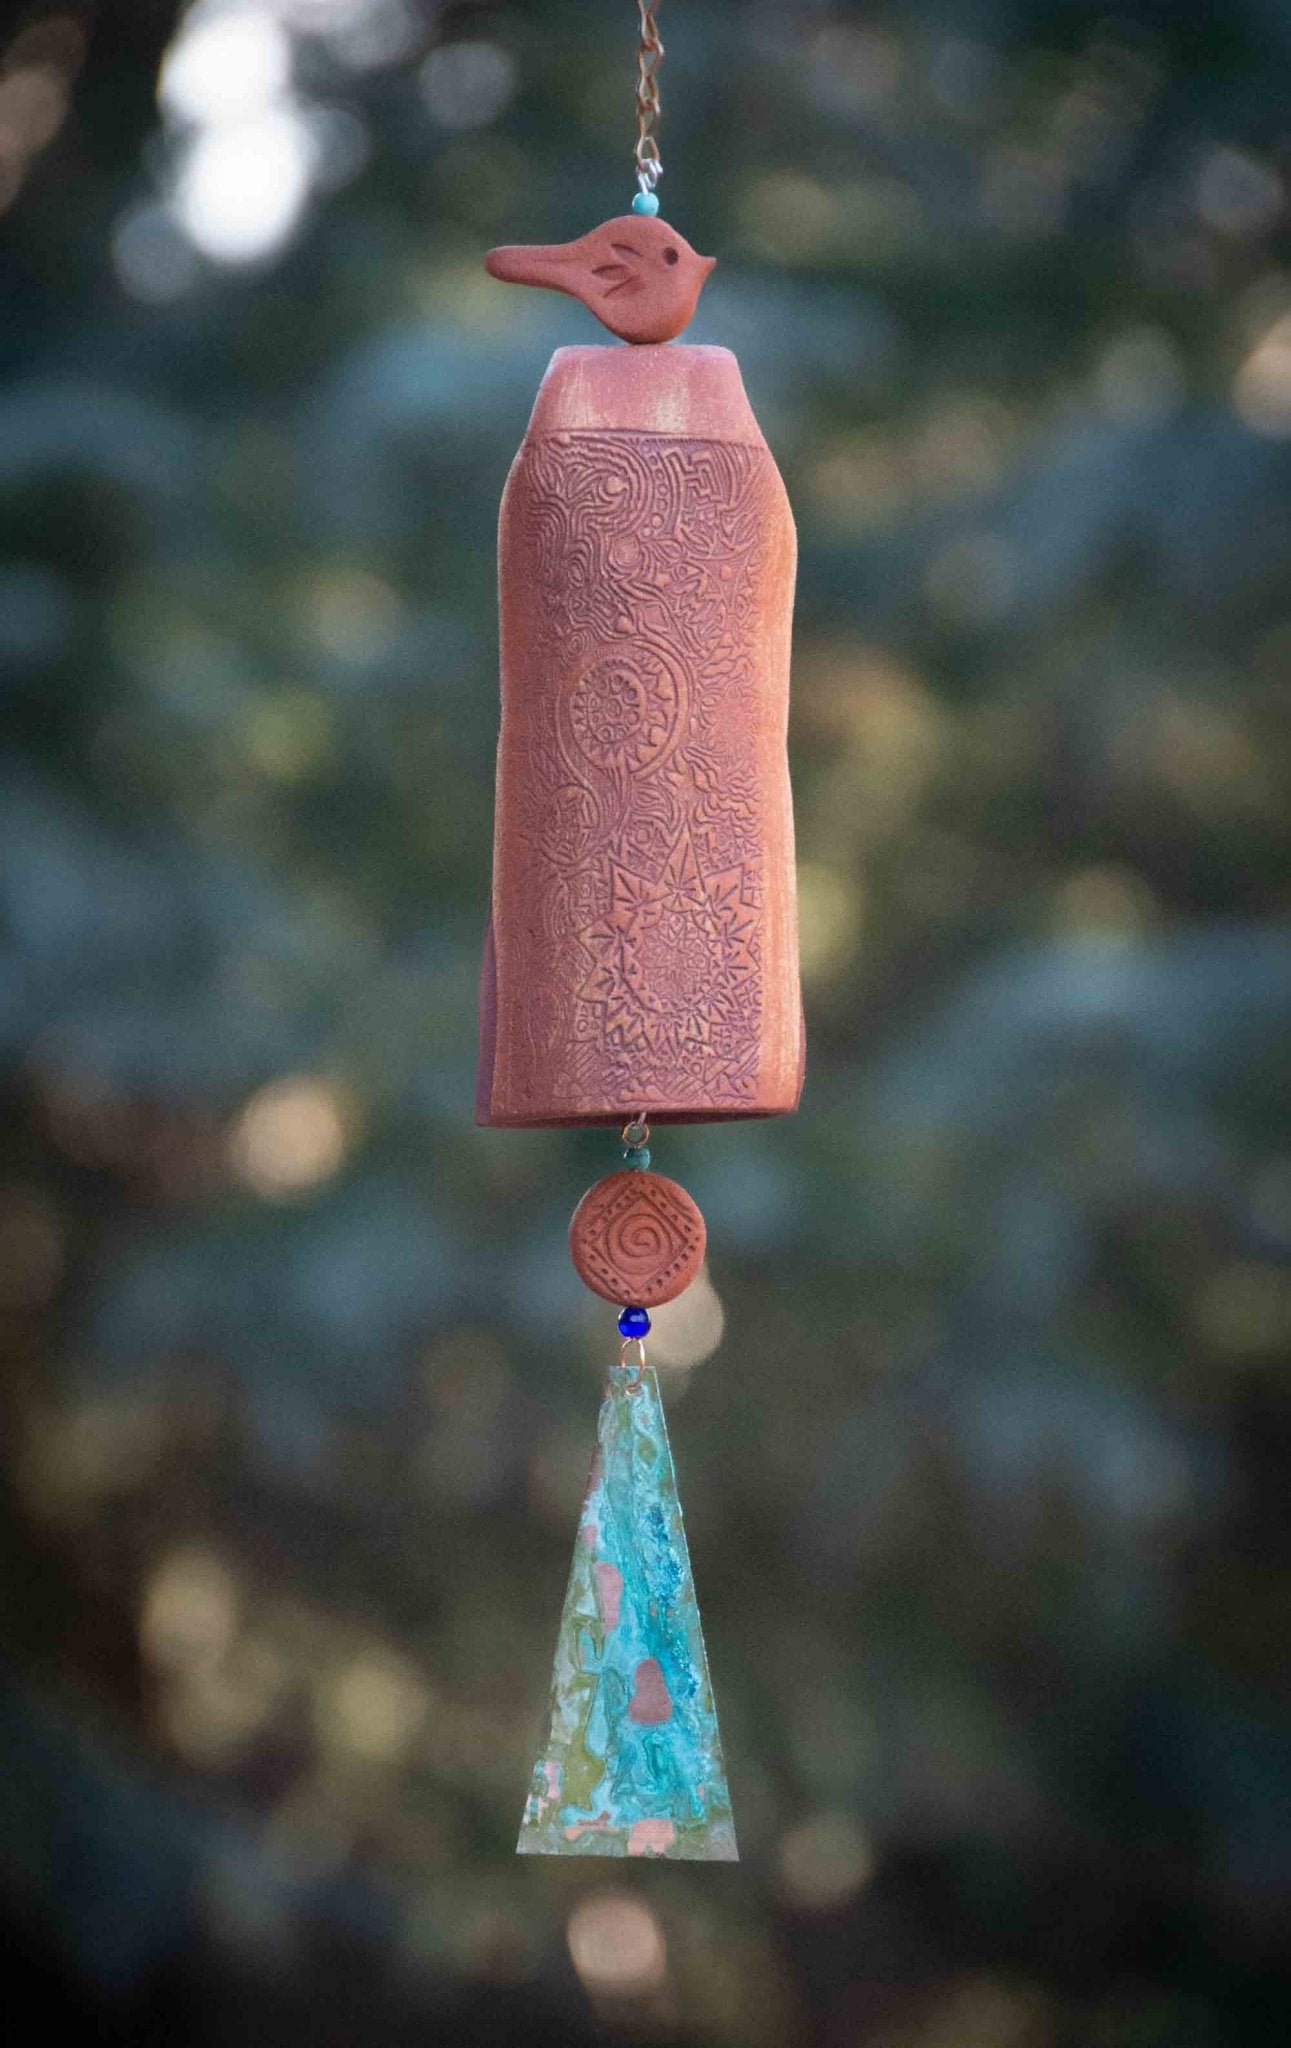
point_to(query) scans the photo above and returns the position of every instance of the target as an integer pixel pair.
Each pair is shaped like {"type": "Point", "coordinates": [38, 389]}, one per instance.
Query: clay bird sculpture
{"type": "Point", "coordinates": [639, 276]}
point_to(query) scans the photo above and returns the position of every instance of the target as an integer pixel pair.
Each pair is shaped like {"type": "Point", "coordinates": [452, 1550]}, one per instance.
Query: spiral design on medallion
{"type": "Point", "coordinates": [637, 1239]}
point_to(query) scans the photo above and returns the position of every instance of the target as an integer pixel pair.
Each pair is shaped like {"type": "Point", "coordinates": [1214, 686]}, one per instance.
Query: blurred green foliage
{"type": "Point", "coordinates": [986, 1483]}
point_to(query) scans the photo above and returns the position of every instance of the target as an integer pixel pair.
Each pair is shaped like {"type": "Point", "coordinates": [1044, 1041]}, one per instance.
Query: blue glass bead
{"type": "Point", "coordinates": [646, 202]}
{"type": "Point", "coordinates": [633, 1322]}
{"type": "Point", "coordinates": [637, 1157]}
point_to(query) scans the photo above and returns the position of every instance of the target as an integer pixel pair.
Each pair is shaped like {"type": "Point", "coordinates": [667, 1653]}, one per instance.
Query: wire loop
{"type": "Point", "coordinates": [636, 1364]}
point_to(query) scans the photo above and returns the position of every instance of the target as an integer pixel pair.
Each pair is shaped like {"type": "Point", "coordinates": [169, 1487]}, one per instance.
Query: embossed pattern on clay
{"type": "Point", "coordinates": [643, 809]}
{"type": "Point", "coordinates": [637, 1237]}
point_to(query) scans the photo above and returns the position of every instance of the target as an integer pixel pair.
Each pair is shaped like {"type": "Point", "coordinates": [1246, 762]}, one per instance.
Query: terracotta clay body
{"type": "Point", "coordinates": [637, 1237]}
{"type": "Point", "coordinates": [639, 276]}
{"type": "Point", "coordinates": [643, 947]}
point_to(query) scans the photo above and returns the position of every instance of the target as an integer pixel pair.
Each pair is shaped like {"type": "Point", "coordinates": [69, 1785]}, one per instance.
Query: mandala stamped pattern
{"type": "Point", "coordinates": [644, 879]}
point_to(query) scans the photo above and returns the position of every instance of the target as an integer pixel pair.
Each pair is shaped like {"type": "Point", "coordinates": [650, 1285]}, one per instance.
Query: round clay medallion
{"type": "Point", "coordinates": [637, 1238]}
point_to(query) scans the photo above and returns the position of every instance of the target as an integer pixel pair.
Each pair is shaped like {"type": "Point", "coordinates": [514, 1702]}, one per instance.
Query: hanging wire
{"type": "Point", "coordinates": [649, 58]}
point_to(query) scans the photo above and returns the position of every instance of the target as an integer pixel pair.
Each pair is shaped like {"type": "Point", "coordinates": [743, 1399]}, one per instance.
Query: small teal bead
{"type": "Point", "coordinates": [633, 1322]}
{"type": "Point", "coordinates": [637, 1157]}
{"type": "Point", "coordinates": [646, 202]}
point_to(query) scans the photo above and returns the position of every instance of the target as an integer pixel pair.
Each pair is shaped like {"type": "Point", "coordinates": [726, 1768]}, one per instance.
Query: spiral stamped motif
{"type": "Point", "coordinates": [637, 1237]}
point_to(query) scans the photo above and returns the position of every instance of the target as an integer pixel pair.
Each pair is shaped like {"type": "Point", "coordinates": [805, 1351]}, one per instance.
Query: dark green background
{"type": "Point", "coordinates": [987, 1482]}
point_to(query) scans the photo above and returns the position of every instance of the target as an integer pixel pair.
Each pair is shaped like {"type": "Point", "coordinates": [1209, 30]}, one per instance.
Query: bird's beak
{"type": "Point", "coordinates": [533, 263]}
{"type": "Point", "coordinates": [709, 263]}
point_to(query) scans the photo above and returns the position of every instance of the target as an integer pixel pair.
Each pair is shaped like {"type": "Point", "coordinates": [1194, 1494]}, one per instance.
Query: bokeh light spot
{"type": "Point", "coordinates": [241, 189]}
{"type": "Point", "coordinates": [1244, 1309]}
{"type": "Point", "coordinates": [853, 68]}
{"type": "Point", "coordinates": [375, 1706]}
{"type": "Point", "coordinates": [189, 1611]}
{"type": "Point", "coordinates": [1237, 194]}
{"type": "Point", "coordinates": [859, 483]}
{"type": "Point", "coordinates": [617, 1945]}
{"type": "Point", "coordinates": [224, 64]}
{"type": "Point", "coordinates": [960, 446]}
{"type": "Point", "coordinates": [1204, 754]}
{"type": "Point", "coordinates": [1104, 902]}
{"type": "Point", "coordinates": [467, 84]}
{"type": "Point", "coordinates": [353, 614]}
{"type": "Point", "coordinates": [788, 215]}
{"type": "Point", "coordinates": [829, 920]}
{"type": "Point", "coordinates": [212, 1709]}
{"type": "Point", "coordinates": [684, 1332]}
{"type": "Point", "coordinates": [1140, 378]}
{"type": "Point", "coordinates": [1262, 388]}
{"type": "Point", "coordinates": [75, 1459]}
{"type": "Point", "coordinates": [824, 1861]}
{"type": "Point", "coordinates": [33, 102]}
{"type": "Point", "coordinates": [36, 73]}
{"type": "Point", "coordinates": [153, 259]}
{"type": "Point", "coordinates": [365, 35]}
{"type": "Point", "coordinates": [290, 1136]}
{"type": "Point", "coordinates": [984, 2012]}
{"type": "Point", "coordinates": [290, 736]}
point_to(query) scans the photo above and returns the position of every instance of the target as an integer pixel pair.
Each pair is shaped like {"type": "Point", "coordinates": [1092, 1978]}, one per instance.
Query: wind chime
{"type": "Point", "coordinates": [641, 965]}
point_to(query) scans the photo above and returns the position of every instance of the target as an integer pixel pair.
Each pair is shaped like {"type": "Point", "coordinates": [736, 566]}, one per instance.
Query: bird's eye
{"type": "Point", "coordinates": [670, 255]}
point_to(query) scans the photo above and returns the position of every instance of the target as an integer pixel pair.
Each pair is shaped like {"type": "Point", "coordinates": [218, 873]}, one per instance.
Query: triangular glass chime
{"type": "Point", "coordinates": [631, 1762]}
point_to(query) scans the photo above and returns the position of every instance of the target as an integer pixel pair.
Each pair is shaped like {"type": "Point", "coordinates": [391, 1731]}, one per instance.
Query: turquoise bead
{"type": "Point", "coordinates": [645, 202]}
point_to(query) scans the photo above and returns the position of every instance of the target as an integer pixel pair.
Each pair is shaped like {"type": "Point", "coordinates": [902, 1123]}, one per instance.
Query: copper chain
{"type": "Point", "coordinates": [649, 58]}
